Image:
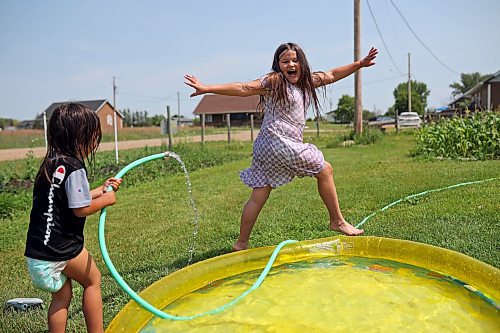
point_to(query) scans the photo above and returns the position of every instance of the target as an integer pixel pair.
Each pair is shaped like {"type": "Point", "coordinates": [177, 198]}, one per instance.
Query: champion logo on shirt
{"type": "Point", "coordinates": [57, 179]}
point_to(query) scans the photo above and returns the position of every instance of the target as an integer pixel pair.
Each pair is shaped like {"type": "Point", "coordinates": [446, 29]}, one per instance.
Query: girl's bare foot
{"type": "Point", "coordinates": [345, 228]}
{"type": "Point", "coordinates": [240, 245]}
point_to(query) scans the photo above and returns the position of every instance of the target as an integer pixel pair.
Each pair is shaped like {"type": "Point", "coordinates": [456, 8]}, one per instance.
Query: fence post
{"type": "Point", "coordinates": [228, 120]}
{"type": "Point", "coordinates": [202, 128]}
{"type": "Point", "coordinates": [169, 128]}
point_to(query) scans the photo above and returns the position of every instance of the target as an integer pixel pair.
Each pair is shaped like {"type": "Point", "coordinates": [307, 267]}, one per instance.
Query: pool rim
{"type": "Point", "coordinates": [476, 275]}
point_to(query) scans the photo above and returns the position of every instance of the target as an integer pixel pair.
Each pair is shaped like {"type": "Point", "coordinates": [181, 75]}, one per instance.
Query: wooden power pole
{"type": "Point", "coordinates": [358, 116]}
{"type": "Point", "coordinates": [115, 126]}
{"type": "Point", "coordinates": [409, 84]}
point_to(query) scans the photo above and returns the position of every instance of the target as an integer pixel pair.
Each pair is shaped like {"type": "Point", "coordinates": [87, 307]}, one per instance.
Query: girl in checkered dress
{"type": "Point", "coordinates": [279, 153]}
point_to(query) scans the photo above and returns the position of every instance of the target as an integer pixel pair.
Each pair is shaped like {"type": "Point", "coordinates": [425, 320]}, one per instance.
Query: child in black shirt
{"type": "Point", "coordinates": [55, 251]}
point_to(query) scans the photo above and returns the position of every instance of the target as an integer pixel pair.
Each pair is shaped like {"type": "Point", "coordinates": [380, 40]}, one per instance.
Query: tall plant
{"type": "Point", "coordinates": [473, 137]}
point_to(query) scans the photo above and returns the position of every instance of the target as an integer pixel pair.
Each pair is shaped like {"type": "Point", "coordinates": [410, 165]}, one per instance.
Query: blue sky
{"type": "Point", "coordinates": [56, 51]}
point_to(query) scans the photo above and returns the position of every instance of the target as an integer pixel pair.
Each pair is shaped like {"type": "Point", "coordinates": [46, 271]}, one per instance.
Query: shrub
{"type": "Point", "coordinates": [474, 137]}
{"type": "Point", "coordinates": [12, 203]}
{"type": "Point", "coordinates": [369, 136]}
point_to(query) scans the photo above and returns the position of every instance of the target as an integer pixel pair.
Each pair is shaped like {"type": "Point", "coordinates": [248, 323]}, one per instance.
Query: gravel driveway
{"type": "Point", "coordinates": [20, 153]}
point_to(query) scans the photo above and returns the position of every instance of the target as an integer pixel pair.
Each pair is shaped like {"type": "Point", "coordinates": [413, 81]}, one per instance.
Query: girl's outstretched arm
{"type": "Point", "coordinates": [322, 79]}
{"type": "Point", "coordinates": [229, 89]}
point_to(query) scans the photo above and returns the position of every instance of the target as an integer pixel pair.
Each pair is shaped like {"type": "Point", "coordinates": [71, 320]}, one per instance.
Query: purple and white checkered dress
{"type": "Point", "coordinates": [278, 151]}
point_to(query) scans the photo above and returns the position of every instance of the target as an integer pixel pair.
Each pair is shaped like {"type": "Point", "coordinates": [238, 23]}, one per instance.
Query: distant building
{"type": "Point", "coordinates": [181, 121]}
{"type": "Point", "coordinates": [217, 107]}
{"type": "Point", "coordinates": [26, 124]}
{"type": "Point", "coordinates": [330, 117]}
{"type": "Point", "coordinates": [483, 96]}
{"type": "Point", "coordinates": [102, 107]}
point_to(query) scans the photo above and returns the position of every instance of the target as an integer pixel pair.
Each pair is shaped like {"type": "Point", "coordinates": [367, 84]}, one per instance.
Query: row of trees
{"type": "Point", "coordinates": [140, 118]}
{"type": "Point", "coordinates": [419, 93]}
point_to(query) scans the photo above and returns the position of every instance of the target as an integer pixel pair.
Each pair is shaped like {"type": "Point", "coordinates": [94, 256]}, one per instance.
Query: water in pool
{"type": "Point", "coordinates": [336, 294]}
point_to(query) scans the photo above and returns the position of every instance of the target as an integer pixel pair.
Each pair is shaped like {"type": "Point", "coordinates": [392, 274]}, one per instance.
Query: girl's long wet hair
{"type": "Point", "coordinates": [73, 131]}
{"type": "Point", "coordinates": [278, 90]}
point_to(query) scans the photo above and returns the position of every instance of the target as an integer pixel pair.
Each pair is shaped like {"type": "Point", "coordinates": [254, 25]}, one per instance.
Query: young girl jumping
{"type": "Point", "coordinates": [279, 153]}
{"type": "Point", "coordinates": [55, 253]}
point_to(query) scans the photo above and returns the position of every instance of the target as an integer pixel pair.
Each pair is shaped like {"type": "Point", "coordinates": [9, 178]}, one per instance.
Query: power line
{"type": "Point", "coordinates": [382, 38]}
{"type": "Point", "coordinates": [421, 42]}
{"type": "Point", "coordinates": [431, 93]}
{"type": "Point", "coordinates": [156, 98]}
{"type": "Point", "coordinates": [370, 82]}
{"type": "Point", "coordinates": [144, 97]}
{"type": "Point", "coordinates": [394, 30]}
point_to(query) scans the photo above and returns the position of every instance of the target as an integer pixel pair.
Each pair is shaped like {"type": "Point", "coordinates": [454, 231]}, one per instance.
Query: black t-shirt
{"type": "Point", "coordinates": [55, 233]}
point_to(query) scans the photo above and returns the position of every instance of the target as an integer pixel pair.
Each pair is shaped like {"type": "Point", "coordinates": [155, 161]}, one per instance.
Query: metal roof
{"type": "Point", "coordinates": [493, 78]}
{"type": "Point", "coordinates": [220, 104]}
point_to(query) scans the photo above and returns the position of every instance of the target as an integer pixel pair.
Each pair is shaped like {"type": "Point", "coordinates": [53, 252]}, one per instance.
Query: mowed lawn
{"type": "Point", "coordinates": [149, 230]}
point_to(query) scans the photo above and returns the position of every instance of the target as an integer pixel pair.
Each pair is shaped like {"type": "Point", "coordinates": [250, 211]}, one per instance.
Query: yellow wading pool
{"type": "Point", "coordinates": [337, 284]}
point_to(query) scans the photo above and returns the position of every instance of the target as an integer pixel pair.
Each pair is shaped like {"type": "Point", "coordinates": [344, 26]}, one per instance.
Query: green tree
{"type": "Point", "coordinates": [140, 118]}
{"type": "Point", "coordinates": [156, 120]}
{"type": "Point", "coordinates": [467, 81]}
{"type": "Point", "coordinates": [345, 109]}
{"type": "Point", "coordinates": [127, 117]}
{"type": "Point", "coordinates": [391, 112]}
{"type": "Point", "coordinates": [367, 114]}
{"type": "Point", "coordinates": [419, 94]}
{"type": "Point", "coordinates": [5, 122]}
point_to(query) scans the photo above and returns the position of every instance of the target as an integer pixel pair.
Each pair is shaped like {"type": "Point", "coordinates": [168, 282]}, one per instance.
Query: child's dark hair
{"type": "Point", "coordinates": [74, 131]}
{"type": "Point", "coordinates": [278, 91]}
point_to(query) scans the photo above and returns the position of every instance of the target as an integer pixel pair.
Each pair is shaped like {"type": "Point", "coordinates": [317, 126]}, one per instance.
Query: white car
{"type": "Point", "coordinates": [409, 120]}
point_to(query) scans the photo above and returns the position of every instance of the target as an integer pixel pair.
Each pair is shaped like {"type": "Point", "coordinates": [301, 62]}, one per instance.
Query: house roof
{"type": "Point", "coordinates": [493, 78]}
{"type": "Point", "coordinates": [219, 104]}
{"type": "Point", "coordinates": [26, 123]}
{"type": "Point", "coordinates": [94, 105]}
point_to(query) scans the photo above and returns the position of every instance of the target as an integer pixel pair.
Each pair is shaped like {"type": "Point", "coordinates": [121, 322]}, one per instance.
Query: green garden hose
{"type": "Point", "coordinates": [419, 195]}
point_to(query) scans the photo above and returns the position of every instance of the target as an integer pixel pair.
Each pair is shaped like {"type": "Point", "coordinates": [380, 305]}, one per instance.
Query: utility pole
{"type": "Point", "coordinates": [114, 120]}
{"type": "Point", "coordinates": [409, 84]}
{"type": "Point", "coordinates": [358, 116]}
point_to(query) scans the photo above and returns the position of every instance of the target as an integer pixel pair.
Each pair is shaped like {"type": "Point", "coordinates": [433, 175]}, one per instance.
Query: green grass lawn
{"type": "Point", "coordinates": [149, 230]}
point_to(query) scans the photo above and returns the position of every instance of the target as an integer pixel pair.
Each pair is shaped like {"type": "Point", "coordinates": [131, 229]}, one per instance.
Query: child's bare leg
{"type": "Point", "coordinates": [328, 193]}
{"type": "Point", "coordinates": [83, 270]}
{"type": "Point", "coordinates": [250, 213]}
{"type": "Point", "coordinates": [58, 309]}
